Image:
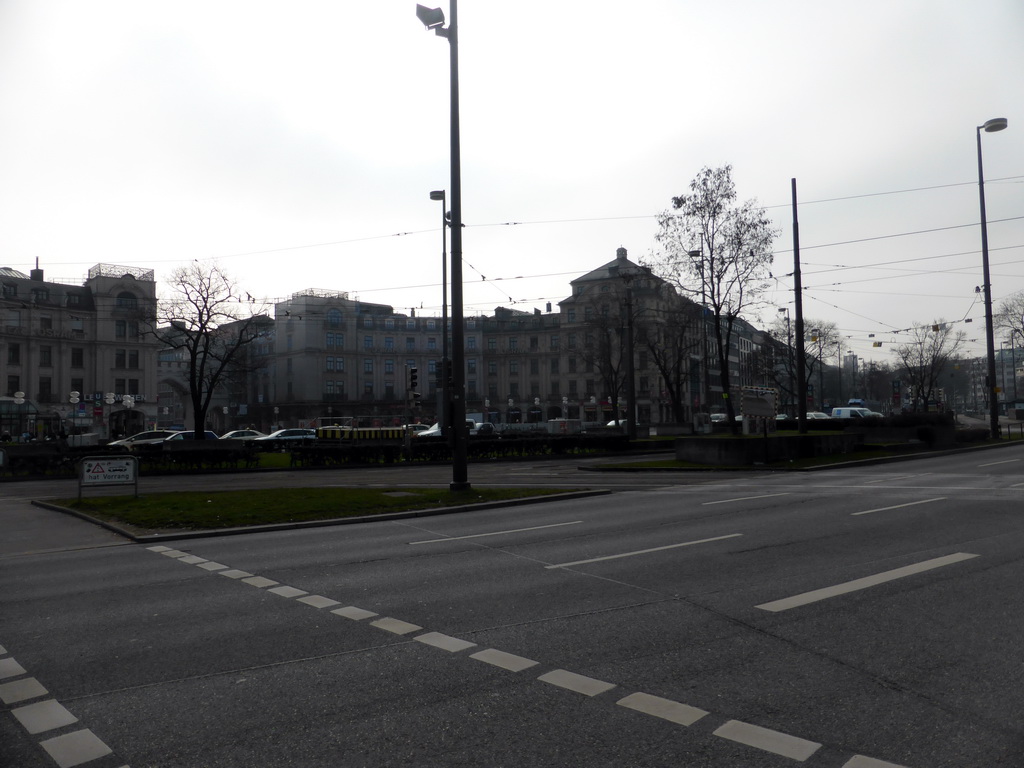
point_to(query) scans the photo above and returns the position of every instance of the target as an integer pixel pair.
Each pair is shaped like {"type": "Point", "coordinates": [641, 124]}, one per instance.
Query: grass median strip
{"type": "Point", "coordinates": [230, 509]}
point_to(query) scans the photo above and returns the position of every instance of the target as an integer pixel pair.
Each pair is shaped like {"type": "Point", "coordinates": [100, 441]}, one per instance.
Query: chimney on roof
{"type": "Point", "coordinates": [620, 254]}
{"type": "Point", "coordinates": [36, 274]}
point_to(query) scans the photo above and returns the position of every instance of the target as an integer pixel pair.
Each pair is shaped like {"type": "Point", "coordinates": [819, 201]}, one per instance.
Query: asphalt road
{"type": "Point", "coordinates": [856, 618]}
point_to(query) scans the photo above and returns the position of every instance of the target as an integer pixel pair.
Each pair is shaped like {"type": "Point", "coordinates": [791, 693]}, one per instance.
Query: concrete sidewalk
{"type": "Point", "coordinates": [32, 530]}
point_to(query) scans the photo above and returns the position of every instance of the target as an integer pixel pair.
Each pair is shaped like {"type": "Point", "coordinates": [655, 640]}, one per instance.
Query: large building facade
{"type": "Point", "coordinates": [70, 353]}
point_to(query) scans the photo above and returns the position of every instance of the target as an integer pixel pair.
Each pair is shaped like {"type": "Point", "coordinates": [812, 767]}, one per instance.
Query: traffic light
{"type": "Point", "coordinates": [414, 378]}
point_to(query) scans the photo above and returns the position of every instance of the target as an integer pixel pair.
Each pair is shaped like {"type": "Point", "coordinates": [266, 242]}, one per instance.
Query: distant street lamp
{"type": "Point", "coordinates": [433, 18]}
{"type": "Point", "coordinates": [990, 126]}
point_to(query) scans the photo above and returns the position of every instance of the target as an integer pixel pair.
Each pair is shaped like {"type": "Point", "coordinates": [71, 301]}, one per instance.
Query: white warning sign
{"type": "Point", "coordinates": [112, 470]}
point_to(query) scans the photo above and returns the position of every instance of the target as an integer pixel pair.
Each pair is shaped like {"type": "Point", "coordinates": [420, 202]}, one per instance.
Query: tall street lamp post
{"type": "Point", "coordinates": [433, 18]}
{"type": "Point", "coordinates": [439, 194]}
{"type": "Point", "coordinates": [989, 126]}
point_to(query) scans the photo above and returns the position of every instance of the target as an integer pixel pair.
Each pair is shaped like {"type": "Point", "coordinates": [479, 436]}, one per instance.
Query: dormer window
{"type": "Point", "coordinates": [126, 300]}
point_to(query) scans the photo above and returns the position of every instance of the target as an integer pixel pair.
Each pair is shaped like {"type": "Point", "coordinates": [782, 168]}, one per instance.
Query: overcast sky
{"type": "Point", "coordinates": [297, 143]}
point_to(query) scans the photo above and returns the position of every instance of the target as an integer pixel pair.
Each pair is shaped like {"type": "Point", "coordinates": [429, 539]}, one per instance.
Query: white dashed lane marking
{"type": "Point", "coordinates": [770, 741]}
{"type": "Point", "coordinates": [75, 748]}
{"type": "Point", "coordinates": [642, 551]}
{"type": "Point", "coordinates": [666, 709]}
{"type": "Point", "coordinates": [494, 533]}
{"type": "Point", "coordinates": [671, 711]}
{"type": "Point", "coordinates": [899, 506]}
{"type": "Point", "coordinates": [444, 642]}
{"type": "Point", "coordinates": [588, 686]}
{"type": "Point", "coordinates": [43, 716]}
{"type": "Point", "coordinates": [504, 660]}
{"type": "Point", "coordinates": [864, 583]}
{"type": "Point", "coordinates": [744, 498]}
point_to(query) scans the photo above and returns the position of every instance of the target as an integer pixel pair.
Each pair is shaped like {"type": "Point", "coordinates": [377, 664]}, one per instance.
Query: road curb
{"type": "Point", "coordinates": [240, 531]}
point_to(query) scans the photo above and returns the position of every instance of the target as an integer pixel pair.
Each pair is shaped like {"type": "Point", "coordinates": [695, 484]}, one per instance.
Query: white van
{"type": "Point", "coordinates": [850, 413]}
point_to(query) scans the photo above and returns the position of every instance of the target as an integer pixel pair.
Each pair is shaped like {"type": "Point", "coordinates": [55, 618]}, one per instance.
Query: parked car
{"type": "Point", "coordinates": [850, 413]}
{"type": "Point", "coordinates": [417, 428]}
{"type": "Point", "coordinates": [243, 434]}
{"type": "Point", "coordinates": [145, 438]}
{"type": "Point", "coordinates": [293, 435]}
{"type": "Point", "coordinates": [719, 417]}
{"type": "Point", "coordinates": [189, 434]}
{"type": "Point", "coordinates": [817, 415]}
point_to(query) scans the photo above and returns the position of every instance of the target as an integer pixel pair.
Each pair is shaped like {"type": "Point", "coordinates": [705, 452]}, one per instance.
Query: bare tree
{"type": "Point", "coordinates": [672, 339]}
{"type": "Point", "coordinates": [719, 250]}
{"type": "Point", "coordinates": [928, 352]}
{"type": "Point", "coordinates": [207, 320]}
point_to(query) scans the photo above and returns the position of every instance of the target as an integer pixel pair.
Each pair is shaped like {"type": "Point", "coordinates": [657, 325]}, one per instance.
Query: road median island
{"type": "Point", "coordinates": [165, 516]}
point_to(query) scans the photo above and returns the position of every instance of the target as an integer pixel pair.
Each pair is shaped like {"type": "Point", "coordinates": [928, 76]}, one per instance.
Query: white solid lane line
{"type": "Point", "coordinates": [494, 533]}
{"type": "Point", "coordinates": [642, 551]}
{"type": "Point", "coordinates": [744, 498]}
{"type": "Point", "coordinates": [898, 506]}
{"type": "Point", "coordinates": [993, 463]}
{"type": "Point", "coordinates": [868, 581]}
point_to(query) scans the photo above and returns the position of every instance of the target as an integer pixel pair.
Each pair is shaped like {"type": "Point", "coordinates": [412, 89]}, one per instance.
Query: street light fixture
{"type": "Point", "coordinates": [989, 126]}
{"type": "Point", "coordinates": [433, 18]}
{"type": "Point", "coordinates": [440, 195]}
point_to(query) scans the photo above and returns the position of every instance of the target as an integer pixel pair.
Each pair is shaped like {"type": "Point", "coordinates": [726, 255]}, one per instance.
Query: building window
{"type": "Point", "coordinates": [554, 365]}
{"type": "Point", "coordinates": [78, 385]}
{"type": "Point", "coordinates": [389, 367]}
{"type": "Point", "coordinates": [492, 344]}
{"type": "Point", "coordinates": [492, 368]}
{"type": "Point", "coordinates": [471, 343]}
{"type": "Point", "coordinates": [46, 357]}
{"type": "Point", "coordinates": [330, 387]}
{"type": "Point", "coordinates": [431, 325]}
{"type": "Point", "coordinates": [133, 358]}
{"type": "Point", "coordinates": [120, 358]}
{"type": "Point", "coordinates": [127, 300]}
{"type": "Point", "coordinates": [513, 390]}
{"type": "Point", "coordinates": [77, 358]}
{"type": "Point", "coordinates": [13, 384]}
{"type": "Point", "coordinates": [10, 291]}
{"type": "Point", "coordinates": [74, 299]}
{"type": "Point", "coordinates": [14, 354]}
{"type": "Point", "coordinates": [513, 342]}
{"type": "Point", "coordinates": [333, 318]}
{"type": "Point", "coordinates": [367, 342]}
{"type": "Point", "coordinates": [513, 367]}
{"type": "Point", "coordinates": [45, 323]}
{"type": "Point", "coordinates": [410, 324]}
{"type": "Point", "coordinates": [329, 366]}
{"type": "Point", "coordinates": [572, 365]}
{"type": "Point", "coordinates": [554, 341]}
{"type": "Point", "coordinates": [45, 389]}
{"type": "Point", "coordinates": [121, 329]}
{"type": "Point", "coordinates": [534, 343]}
{"type": "Point", "coordinates": [339, 363]}
{"type": "Point", "coordinates": [410, 344]}
{"type": "Point", "coordinates": [431, 343]}
{"type": "Point", "coordinates": [572, 386]}
{"type": "Point", "coordinates": [389, 343]}
{"type": "Point", "coordinates": [288, 365]}
{"type": "Point", "coordinates": [119, 386]}
{"type": "Point", "coordinates": [555, 389]}
{"type": "Point", "coordinates": [368, 365]}
{"type": "Point", "coordinates": [471, 387]}
{"type": "Point", "coordinates": [389, 323]}
{"type": "Point", "coordinates": [571, 315]}
{"type": "Point", "coordinates": [471, 367]}
{"type": "Point", "coordinates": [133, 386]}
{"type": "Point", "coordinates": [534, 367]}
{"type": "Point", "coordinates": [572, 341]}
{"type": "Point", "coordinates": [40, 295]}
